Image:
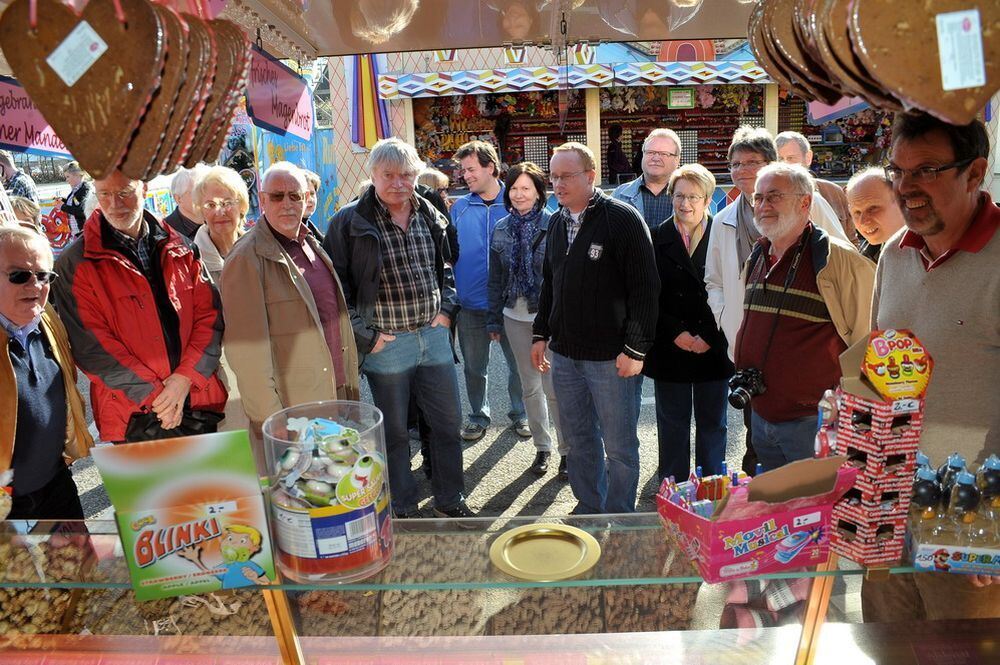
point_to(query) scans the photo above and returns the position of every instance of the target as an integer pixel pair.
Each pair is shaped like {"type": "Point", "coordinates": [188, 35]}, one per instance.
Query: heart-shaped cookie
{"type": "Point", "coordinates": [230, 71]}
{"type": "Point", "coordinates": [201, 41]}
{"type": "Point", "coordinates": [897, 41]}
{"type": "Point", "coordinates": [778, 24]}
{"type": "Point", "coordinates": [96, 116]}
{"type": "Point", "coordinates": [242, 46]}
{"type": "Point", "coordinates": [833, 24]}
{"type": "Point", "coordinates": [758, 41]}
{"type": "Point", "coordinates": [139, 163]}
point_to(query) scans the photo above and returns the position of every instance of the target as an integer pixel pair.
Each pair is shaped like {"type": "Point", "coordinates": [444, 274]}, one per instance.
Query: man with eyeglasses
{"type": "Point", "coordinates": [44, 418]}
{"type": "Point", "coordinates": [288, 333]}
{"type": "Point", "coordinates": [145, 324]}
{"type": "Point", "coordinates": [661, 155]}
{"type": "Point", "coordinates": [391, 253]}
{"type": "Point", "coordinates": [808, 298]}
{"type": "Point", "coordinates": [940, 278]}
{"type": "Point", "coordinates": [597, 310]}
{"type": "Point", "coordinates": [734, 235]}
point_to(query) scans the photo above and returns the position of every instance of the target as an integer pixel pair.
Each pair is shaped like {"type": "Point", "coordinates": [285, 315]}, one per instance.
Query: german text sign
{"type": "Point", "coordinates": [278, 99]}
{"type": "Point", "coordinates": [22, 127]}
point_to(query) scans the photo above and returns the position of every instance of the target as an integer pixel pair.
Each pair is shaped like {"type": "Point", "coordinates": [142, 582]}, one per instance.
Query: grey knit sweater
{"type": "Point", "coordinates": [954, 309]}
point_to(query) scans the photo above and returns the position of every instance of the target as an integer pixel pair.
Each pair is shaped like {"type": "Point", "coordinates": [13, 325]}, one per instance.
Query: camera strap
{"type": "Point", "coordinates": [762, 286]}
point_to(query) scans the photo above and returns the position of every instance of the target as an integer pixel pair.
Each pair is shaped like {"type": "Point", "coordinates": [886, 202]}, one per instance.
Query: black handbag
{"type": "Point", "coordinates": [145, 426]}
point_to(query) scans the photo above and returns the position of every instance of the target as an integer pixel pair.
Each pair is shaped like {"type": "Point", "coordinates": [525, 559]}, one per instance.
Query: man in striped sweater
{"type": "Point", "coordinates": [597, 309]}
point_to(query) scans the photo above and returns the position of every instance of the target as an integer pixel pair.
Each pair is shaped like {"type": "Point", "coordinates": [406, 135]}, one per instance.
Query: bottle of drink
{"type": "Point", "coordinates": [925, 506]}
{"type": "Point", "coordinates": [988, 519]}
{"type": "Point", "coordinates": [947, 472]}
{"type": "Point", "coordinates": [961, 513]}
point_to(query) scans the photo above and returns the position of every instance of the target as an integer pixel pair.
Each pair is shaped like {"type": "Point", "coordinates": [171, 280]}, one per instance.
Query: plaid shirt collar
{"type": "Point", "coordinates": [383, 211]}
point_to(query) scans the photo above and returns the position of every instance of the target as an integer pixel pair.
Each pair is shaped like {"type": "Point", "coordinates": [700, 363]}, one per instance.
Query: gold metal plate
{"type": "Point", "coordinates": [545, 552]}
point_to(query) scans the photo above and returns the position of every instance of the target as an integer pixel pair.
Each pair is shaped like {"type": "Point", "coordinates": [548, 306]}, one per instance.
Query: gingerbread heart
{"type": "Point", "coordinates": [778, 23]}
{"type": "Point", "coordinates": [760, 44]}
{"type": "Point", "coordinates": [835, 34]}
{"type": "Point", "coordinates": [141, 155]}
{"type": "Point", "coordinates": [898, 43]}
{"type": "Point", "coordinates": [232, 48]}
{"type": "Point", "coordinates": [242, 44]}
{"type": "Point", "coordinates": [97, 113]}
{"type": "Point", "coordinates": [201, 42]}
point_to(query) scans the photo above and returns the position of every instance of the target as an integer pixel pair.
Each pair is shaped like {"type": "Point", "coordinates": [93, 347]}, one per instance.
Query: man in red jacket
{"type": "Point", "coordinates": [144, 323]}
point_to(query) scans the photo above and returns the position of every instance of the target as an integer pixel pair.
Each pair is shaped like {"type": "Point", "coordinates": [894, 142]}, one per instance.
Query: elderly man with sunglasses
{"type": "Point", "coordinates": [288, 332]}
{"type": "Point", "coordinates": [44, 423]}
{"type": "Point", "coordinates": [145, 323]}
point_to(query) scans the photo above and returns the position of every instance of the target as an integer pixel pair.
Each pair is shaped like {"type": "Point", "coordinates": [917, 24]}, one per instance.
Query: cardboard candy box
{"type": "Point", "coordinates": [779, 521]}
{"type": "Point", "coordinates": [879, 420]}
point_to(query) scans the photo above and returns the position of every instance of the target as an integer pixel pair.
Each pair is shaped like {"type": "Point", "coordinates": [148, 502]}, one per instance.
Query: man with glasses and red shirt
{"type": "Point", "coordinates": [733, 237]}
{"type": "Point", "coordinates": [940, 278]}
{"type": "Point", "coordinates": [44, 419]}
{"type": "Point", "coordinates": [144, 322]}
{"type": "Point", "coordinates": [288, 333]}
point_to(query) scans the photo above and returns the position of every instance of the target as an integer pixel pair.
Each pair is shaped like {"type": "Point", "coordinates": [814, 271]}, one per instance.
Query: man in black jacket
{"type": "Point", "coordinates": [597, 309]}
{"type": "Point", "coordinates": [391, 254]}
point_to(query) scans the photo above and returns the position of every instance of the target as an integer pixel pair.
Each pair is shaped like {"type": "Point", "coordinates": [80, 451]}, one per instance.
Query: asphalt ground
{"type": "Point", "coordinates": [497, 476]}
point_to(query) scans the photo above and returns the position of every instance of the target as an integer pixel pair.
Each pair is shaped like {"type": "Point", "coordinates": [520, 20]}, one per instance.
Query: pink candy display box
{"type": "Point", "coordinates": [778, 521]}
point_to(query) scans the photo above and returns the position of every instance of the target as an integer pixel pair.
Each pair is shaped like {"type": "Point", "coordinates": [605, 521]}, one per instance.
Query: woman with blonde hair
{"type": "Point", "coordinates": [28, 213]}
{"type": "Point", "coordinates": [221, 196]}
{"type": "Point", "coordinates": [72, 205]}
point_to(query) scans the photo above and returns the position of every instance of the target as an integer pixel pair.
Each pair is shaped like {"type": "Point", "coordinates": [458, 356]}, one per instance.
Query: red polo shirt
{"type": "Point", "coordinates": [979, 233]}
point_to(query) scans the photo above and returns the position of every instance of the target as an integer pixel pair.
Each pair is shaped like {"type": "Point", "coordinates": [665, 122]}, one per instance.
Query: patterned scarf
{"type": "Point", "coordinates": [523, 228]}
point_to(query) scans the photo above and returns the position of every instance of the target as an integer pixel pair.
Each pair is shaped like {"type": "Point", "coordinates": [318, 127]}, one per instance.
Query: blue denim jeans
{"type": "Point", "coordinates": [475, 344]}
{"type": "Point", "coordinates": [673, 427]}
{"type": "Point", "coordinates": [421, 362]}
{"type": "Point", "coordinates": [777, 444]}
{"type": "Point", "coordinates": [595, 401]}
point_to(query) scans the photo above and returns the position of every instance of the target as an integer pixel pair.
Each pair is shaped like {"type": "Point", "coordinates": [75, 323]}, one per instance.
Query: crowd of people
{"type": "Point", "coordinates": [200, 321]}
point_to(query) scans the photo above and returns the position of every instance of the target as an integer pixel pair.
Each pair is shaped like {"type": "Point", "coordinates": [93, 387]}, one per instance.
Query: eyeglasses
{"type": "Point", "coordinates": [278, 197]}
{"type": "Point", "coordinates": [121, 195]}
{"type": "Point", "coordinates": [772, 198]}
{"type": "Point", "coordinates": [443, 191]}
{"type": "Point", "coordinates": [689, 198]}
{"type": "Point", "coordinates": [661, 153]}
{"type": "Point", "coordinates": [924, 173]}
{"type": "Point", "coordinates": [749, 164]}
{"type": "Point", "coordinates": [22, 276]}
{"type": "Point", "coordinates": [224, 204]}
{"type": "Point", "coordinates": [567, 176]}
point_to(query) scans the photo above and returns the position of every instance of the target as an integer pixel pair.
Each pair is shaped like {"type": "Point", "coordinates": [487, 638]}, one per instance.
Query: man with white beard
{"type": "Point", "coordinates": [808, 297]}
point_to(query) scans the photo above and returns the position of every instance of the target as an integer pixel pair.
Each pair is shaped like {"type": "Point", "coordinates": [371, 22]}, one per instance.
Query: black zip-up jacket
{"type": "Point", "coordinates": [600, 298]}
{"type": "Point", "coordinates": [354, 245]}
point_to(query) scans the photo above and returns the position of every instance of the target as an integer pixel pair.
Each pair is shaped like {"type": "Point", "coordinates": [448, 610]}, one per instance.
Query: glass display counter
{"type": "Point", "coordinates": [65, 596]}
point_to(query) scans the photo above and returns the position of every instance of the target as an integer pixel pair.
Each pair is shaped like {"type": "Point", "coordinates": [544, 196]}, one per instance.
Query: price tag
{"type": "Point", "coordinates": [960, 49]}
{"type": "Point", "coordinates": [218, 508]}
{"type": "Point", "coordinates": [77, 53]}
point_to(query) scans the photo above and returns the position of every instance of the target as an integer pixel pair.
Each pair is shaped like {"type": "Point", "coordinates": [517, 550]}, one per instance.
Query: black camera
{"type": "Point", "coordinates": [745, 385]}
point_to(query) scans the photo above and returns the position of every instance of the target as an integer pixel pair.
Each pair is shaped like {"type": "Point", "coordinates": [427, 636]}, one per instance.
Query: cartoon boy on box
{"type": "Point", "coordinates": [236, 570]}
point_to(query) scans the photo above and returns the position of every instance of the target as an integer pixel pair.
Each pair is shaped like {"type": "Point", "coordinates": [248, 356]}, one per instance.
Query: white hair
{"type": "Point", "coordinates": [802, 181]}
{"type": "Point", "coordinates": [11, 234]}
{"type": "Point", "coordinates": [183, 181]}
{"type": "Point", "coordinates": [286, 168]}
{"type": "Point", "coordinates": [784, 138]}
{"type": "Point", "coordinates": [393, 152]}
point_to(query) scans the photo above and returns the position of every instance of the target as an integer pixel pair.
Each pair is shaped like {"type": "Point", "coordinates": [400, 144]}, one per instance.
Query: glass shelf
{"type": "Point", "coordinates": [430, 555]}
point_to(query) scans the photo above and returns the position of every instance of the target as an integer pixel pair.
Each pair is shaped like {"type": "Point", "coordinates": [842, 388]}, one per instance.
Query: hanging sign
{"type": "Point", "coordinates": [278, 99]}
{"type": "Point", "coordinates": [22, 127]}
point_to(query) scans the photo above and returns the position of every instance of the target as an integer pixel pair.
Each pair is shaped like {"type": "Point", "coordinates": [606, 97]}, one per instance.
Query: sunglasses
{"type": "Point", "coordinates": [278, 197]}
{"type": "Point", "coordinates": [22, 276]}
